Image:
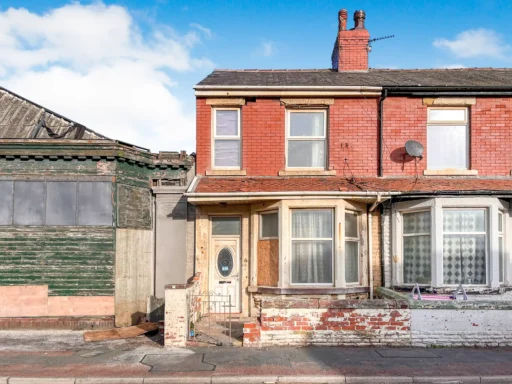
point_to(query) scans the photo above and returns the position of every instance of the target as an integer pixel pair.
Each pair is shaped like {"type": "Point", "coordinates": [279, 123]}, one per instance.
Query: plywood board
{"type": "Point", "coordinates": [268, 263]}
{"type": "Point", "coordinates": [120, 333]}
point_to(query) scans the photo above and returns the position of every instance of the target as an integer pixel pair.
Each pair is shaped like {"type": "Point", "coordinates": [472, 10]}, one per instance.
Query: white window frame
{"type": "Point", "coordinates": [306, 138]}
{"type": "Point", "coordinates": [260, 231]}
{"type": "Point", "coordinates": [354, 240]}
{"type": "Point", "coordinates": [461, 123]}
{"type": "Point", "coordinates": [436, 205]}
{"type": "Point", "coordinates": [233, 138]}
{"type": "Point", "coordinates": [501, 235]}
{"type": "Point", "coordinates": [332, 239]}
{"type": "Point", "coordinates": [431, 234]}
{"type": "Point", "coordinates": [485, 232]}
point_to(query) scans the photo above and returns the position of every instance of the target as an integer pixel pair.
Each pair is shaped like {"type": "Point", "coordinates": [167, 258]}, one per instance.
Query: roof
{"type": "Point", "coordinates": [462, 77]}
{"type": "Point", "coordinates": [23, 119]}
{"type": "Point", "coordinates": [229, 185]}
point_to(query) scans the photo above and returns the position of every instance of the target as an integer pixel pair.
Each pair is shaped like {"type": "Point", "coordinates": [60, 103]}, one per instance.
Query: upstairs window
{"type": "Point", "coordinates": [306, 139]}
{"type": "Point", "coordinates": [226, 138]}
{"type": "Point", "coordinates": [448, 138]}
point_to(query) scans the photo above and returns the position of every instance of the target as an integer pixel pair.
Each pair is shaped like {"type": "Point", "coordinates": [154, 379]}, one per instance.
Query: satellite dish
{"type": "Point", "coordinates": [414, 148]}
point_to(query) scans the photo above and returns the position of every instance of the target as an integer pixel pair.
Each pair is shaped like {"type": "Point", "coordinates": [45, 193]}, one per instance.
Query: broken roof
{"type": "Point", "coordinates": [230, 185]}
{"type": "Point", "coordinates": [463, 77]}
{"type": "Point", "coordinates": [23, 119]}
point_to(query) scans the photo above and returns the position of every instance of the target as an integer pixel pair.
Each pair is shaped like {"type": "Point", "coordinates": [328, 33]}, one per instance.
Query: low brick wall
{"type": "Point", "coordinates": [318, 321]}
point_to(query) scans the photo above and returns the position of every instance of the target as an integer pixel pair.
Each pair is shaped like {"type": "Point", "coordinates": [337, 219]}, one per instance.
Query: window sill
{"type": "Point", "coordinates": [226, 172]}
{"type": "Point", "coordinates": [311, 291]}
{"type": "Point", "coordinates": [450, 172]}
{"type": "Point", "coordinates": [305, 172]}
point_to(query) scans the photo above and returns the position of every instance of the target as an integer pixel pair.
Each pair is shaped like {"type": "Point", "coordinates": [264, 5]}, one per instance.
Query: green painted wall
{"type": "Point", "coordinates": [72, 261]}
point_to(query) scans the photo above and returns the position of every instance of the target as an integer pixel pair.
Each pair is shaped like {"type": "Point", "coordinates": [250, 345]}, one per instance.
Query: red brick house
{"type": "Point", "coordinates": [304, 187]}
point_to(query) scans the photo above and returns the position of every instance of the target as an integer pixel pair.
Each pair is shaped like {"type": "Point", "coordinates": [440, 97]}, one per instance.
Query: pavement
{"type": "Point", "coordinates": [62, 357]}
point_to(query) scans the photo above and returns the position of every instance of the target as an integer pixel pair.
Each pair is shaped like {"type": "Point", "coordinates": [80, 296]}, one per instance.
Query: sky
{"type": "Point", "coordinates": [127, 68]}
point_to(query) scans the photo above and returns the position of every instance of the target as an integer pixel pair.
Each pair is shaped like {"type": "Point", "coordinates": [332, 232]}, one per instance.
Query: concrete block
{"type": "Point", "coordinates": [496, 379]}
{"type": "Point", "coordinates": [378, 379]}
{"type": "Point", "coordinates": [245, 379]}
{"type": "Point", "coordinates": [447, 379]}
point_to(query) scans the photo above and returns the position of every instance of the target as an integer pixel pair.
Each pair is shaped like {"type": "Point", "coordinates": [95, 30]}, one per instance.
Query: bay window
{"type": "Point", "coordinates": [450, 241]}
{"type": "Point", "coordinates": [306, 139]}
{"type": "Point", "coordinates": [351, 247]}
{"type": "Point", "coordinates": [312, 246]}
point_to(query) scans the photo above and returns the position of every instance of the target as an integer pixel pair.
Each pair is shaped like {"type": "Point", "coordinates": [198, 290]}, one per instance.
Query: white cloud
{"type": "Point", "coordinates": [207, 31]}
{"type": "Point", "coordinates": [475, 43]}
{"type": "Point", "coordinates": [266, 49]}
{"type": "Point", "coordinates": [93, 64]}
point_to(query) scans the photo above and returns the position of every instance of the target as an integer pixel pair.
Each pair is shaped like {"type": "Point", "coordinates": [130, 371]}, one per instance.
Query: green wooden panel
{"type": "Point", "coordinates": [72, 261]}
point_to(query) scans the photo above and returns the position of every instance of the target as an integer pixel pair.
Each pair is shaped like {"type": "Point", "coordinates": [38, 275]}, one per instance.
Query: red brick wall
{"type": "Point", "coordinates": [491, 136]}
{"type": "Point", "coordinates": [404, 119]}
{"type": "Point", "coordinates": [353, 55]}
{"type": "Point", "coordinates": [353, 136]}
{"type": "Point", "coordinates": [203, 136]}
{"type": "Point", "coordinates": [296, 321]}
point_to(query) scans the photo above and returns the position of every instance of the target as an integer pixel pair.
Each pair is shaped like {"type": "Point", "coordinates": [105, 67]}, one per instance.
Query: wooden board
{"type": "Point", "coordinates": [120, 333]}
{"type": "Point", "coordinates": [268, 263]}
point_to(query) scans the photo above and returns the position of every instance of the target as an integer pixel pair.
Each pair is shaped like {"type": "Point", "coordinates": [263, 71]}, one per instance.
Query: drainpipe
{"type": "Point", "coordinates": [381, 131]}
{"type": "Point", "coordinates": [370, 236]}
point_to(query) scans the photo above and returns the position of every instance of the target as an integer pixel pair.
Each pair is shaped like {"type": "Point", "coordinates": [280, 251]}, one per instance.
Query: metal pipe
{"type": "Point", "coordinates": [370, 253]}
{"type": "Point", "coordinates": [381, 131]}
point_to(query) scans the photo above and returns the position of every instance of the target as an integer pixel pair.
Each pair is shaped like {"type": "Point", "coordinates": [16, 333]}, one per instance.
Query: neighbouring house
{"type": "Point", "coordinates": [308, 201]}
{"type": "Point", "coordinates": [90, 228]}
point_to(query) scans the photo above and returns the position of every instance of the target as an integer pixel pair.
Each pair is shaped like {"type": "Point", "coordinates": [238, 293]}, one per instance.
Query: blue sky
{"type": "Point", "coordinates": [198, 36]}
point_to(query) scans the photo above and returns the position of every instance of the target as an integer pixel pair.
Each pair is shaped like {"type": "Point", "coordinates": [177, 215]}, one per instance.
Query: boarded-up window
{"type": "Point", "coordinates": [268, 250]}
{"type": "Point", "coordinates": [95, 203]}
{"type": "Point", "coordinates": [29, 203]}
{"type": "Point", "coordinates": [61, 203]}
{"type": "Point", "coordinates": [6, 198]}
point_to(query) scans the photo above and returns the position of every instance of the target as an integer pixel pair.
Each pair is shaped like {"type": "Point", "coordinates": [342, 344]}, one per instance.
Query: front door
{"type": "Point", "coordinates": [225, 261]}
{"type": "Point", "coordinates": [226, 266]}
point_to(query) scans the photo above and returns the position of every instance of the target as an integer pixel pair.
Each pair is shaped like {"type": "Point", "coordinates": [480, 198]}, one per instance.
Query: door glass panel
{"type": "Point", "coordinates": [225, 226]}
{"type": "Point", "coordinates": [225, 262]}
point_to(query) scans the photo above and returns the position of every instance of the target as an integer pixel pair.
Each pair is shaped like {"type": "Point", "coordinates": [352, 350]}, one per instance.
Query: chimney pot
{"type": "Point", "coordinates": [359, 17]}
{"type": "Point", "coordinates": [342, 20]}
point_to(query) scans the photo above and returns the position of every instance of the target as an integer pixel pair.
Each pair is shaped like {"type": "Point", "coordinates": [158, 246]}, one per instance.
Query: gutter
{"type": "Point", "coordinates": [301, 90]}
{"type": "Point", "coordinates": [353, 88]}
{"type": "Point", "coordinates": [305, 193]}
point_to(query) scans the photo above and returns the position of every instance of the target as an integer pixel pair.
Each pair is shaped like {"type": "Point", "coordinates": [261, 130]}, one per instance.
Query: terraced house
{"type": "Point", "coordinates": [90, 228]}
{"type": "Point", "coordinates": [315, 187]}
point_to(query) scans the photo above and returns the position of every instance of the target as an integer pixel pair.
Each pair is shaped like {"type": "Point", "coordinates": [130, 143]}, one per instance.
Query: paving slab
{"type": "Point", "coordinates": [245, 379]}
{"type": "Point", "coordinates": [497, 379]}
{"type": "Point", "coordinates": [109, 380]}
{"type": "Point", "coordinates": [177, 380]}
{"type": "Point", "coordinates": [311, 379]}
{"type": "Point", "coordinates": [180, 363]}
{"type": "Point", "coordinates": [41, 380]}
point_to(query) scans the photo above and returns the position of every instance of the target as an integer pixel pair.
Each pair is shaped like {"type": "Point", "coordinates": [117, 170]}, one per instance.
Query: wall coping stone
{"type": "Point", "coordinates": [454, 304]}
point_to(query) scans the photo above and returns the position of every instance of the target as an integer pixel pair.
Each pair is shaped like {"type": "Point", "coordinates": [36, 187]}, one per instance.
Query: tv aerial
{"type": "Point", "coordinates": [379, 38]}
{"type": "Point", "coordinates": [414, 148]}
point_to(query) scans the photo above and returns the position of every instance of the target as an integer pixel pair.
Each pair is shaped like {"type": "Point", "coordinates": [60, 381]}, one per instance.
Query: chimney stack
{"type": "Point", "coordinates": [351, 48]}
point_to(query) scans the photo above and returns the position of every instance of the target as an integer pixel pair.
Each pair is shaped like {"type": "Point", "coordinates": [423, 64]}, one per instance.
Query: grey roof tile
{"type": "Point", "coordinates": [464, 77]}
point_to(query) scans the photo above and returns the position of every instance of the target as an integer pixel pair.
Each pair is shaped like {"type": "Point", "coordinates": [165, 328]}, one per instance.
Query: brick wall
{"type": "Point", "coordinates": [298, 322]}
{"type": "Point", "coordinates": [353, 136]}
